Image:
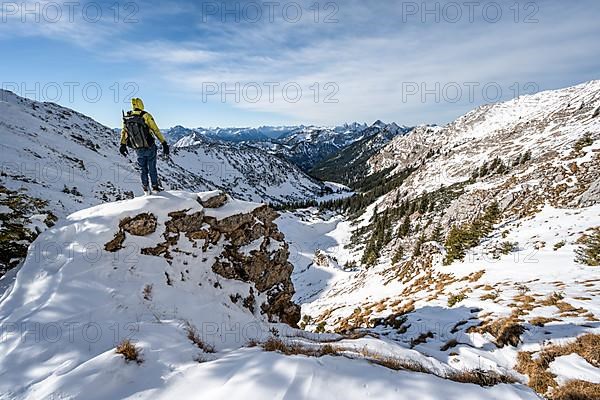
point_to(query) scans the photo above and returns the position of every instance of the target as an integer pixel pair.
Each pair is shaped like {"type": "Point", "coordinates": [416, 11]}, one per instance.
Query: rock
{"type": "Point", "coordinates": [117, 243]}
{"type": "Point", "coordinates": [181, 222]}
{"type": "Point", "coordinates": [267, 268]}
{"type": "Point", "coordinates": [265, 214]}
{"type": "Point", "coordinates": [573, 167]}
{"type": "Point", "coordinates": [591, 196]}
{"type": "Point", "coordinates": [216, 201]}
{"type": "Point", "coordinates": [140, 225]}
{"type": "Point", "coordinates": [321, 259]}
{"type": "Point", "coordinates": [229, 224]}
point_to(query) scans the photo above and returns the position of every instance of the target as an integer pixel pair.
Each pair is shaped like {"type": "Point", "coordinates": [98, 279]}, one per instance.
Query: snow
{"type": "Point", "coordinates": [72, 302]}
{"type": "Point", "coordinates": [543, 271]}
{"type": "Point", "coordinates": [574, 367]}
{"type": "Point", "coordinates": [273, 376]}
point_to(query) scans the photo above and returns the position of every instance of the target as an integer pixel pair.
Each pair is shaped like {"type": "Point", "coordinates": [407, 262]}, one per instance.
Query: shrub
{"type": "Point", "coordinates": [585, 141]}
{"type": "Point", "coordinates": [321, 327]}
{"type": "Point", "coordinates": [129, 350]}
{"type": "Point", "coordinates": [505, 248]}
{"type": "Point", "coordinates": [589, 252]}
{"type": "Point", "coordinates": [456, 298]}
{"type": "Point", "coordinates": [559, 245]}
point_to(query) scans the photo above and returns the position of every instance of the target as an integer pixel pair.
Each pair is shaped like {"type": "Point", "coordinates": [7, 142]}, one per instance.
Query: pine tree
{"type": "Point", "coordinates": [398, 255]}
{"type": "Point", "coordinates": [420, 241]}
{"type": "Point", "coordinates": [404, 229]}
{"type": "Point", "coordinates": [436, 234]}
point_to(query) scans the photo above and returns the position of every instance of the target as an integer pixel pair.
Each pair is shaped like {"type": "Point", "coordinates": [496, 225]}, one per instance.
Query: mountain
{"type": "Point", "coordinates": [474, 243]}
{"type": "Point", "coordinates": [349, 165]}
{"type": "Point", "coordinates": [235, 135]}
{"type": "Point", "coordinates": [307, 146]}
{"type": "Point", "coordinates": [465, 265]}
{"type": "Point", "coordinates": [302, 146]}
{"type": "Point", "coordinates": [187, 294]}
{"type": "Point", "coordinates": [56, 161]}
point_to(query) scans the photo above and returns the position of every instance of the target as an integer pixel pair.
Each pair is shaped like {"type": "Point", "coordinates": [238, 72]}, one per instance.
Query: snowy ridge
{"type": "Point", "coordinates": [48, 149]}
{"type": "Point", "coordinates": [543, 123]}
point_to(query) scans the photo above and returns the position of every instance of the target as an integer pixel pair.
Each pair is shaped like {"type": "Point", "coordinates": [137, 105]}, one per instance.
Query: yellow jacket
{"type": "Point", "coordinates": [138, 107]}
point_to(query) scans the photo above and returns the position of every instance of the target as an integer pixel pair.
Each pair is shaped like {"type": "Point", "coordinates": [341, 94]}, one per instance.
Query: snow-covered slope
{"type": "Point", "coordinates": [471, 255]}
{"type": "Point", "coordinates": [547, 124]}
{"type": "Point", "coordinates": [188, 280]}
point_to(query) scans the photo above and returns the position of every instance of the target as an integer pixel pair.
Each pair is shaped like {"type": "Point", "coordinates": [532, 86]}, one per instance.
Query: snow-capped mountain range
{"type": "Point", "coordinates": [304, 146]}
{"type": "Point", "coordinates": [466, 267]}
{"type": "Point", "coordinates": [263, 133]}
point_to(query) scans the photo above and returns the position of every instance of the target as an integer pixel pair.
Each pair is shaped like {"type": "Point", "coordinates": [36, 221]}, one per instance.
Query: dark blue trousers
{"type": "Point", "coordinates": [146, 159]}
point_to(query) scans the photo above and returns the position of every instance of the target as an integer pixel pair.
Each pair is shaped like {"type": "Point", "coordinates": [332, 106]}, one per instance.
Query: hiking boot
{"type": "Point", "coordinates": [146, 190]}
{"type": "Point", "coordinates": [157, 188]}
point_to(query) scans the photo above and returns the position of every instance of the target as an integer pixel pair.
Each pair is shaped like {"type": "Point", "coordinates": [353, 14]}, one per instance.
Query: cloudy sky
{"type": "Point", "coordinates": [251, 63]}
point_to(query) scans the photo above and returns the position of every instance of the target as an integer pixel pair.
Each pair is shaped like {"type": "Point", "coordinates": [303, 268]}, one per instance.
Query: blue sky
{"type": "Point", "coordinates": [339, 61]}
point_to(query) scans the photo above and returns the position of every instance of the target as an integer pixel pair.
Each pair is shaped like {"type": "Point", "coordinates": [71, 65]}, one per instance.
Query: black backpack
{"type": "Point", "coordinates": [138, 132]}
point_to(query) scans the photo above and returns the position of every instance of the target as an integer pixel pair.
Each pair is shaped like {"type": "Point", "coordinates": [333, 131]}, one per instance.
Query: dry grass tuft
{"type": "Point", "coordinates": [506, 331]}
{"type": "Point", "coordinates": [480, 377]}
{"type": "Point", "coordinates": [577, 390]}
{"type": "Point", "coordinates": [194, 337]}
{"type": "Point", "coordinates": [450, 344]}
{"type": "Point", "coordinates": [542, 321]}
{"type": "Point", "coordinates": [422, 338]}
{"type": "Point", "coordinates": [147, 292]}
{"type": "Point", "coordinates": [397, 364]}
{"type": "Point", "coordinates": [541, 380]}
{"type": "Point", "coordinates": [130, 351]}
{"type": "Point", "coordinates": [292, 349]}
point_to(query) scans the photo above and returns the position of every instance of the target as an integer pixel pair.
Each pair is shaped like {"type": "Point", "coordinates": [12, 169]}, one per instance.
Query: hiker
{"type": "Point", "coordinates": [137, 133]}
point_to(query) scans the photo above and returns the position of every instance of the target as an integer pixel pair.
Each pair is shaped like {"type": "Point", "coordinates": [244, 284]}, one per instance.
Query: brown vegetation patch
{"type": "Point", "coordinates": [577, 390]}
{"type": "Point", "coordinates": [540, 379]}
{"type": "Point", "coordinates": [542, 321]}
{"type": "Point", "coordinates": [130, 351]}
{"type": "Point", "coordinates": [193, 335]}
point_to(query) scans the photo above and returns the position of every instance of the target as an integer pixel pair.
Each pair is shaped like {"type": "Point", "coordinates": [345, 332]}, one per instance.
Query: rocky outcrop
{"type": "Point", "coordinates": [140, 225]}
{"type": "Point", "coordinates": [266, 266]}
{"type": "Point", "coordinates": [216, 201]}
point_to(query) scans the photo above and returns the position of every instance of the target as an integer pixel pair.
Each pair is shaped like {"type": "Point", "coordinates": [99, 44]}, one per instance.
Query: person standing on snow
{"type": "Point", "coordinates": [138, 133]}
